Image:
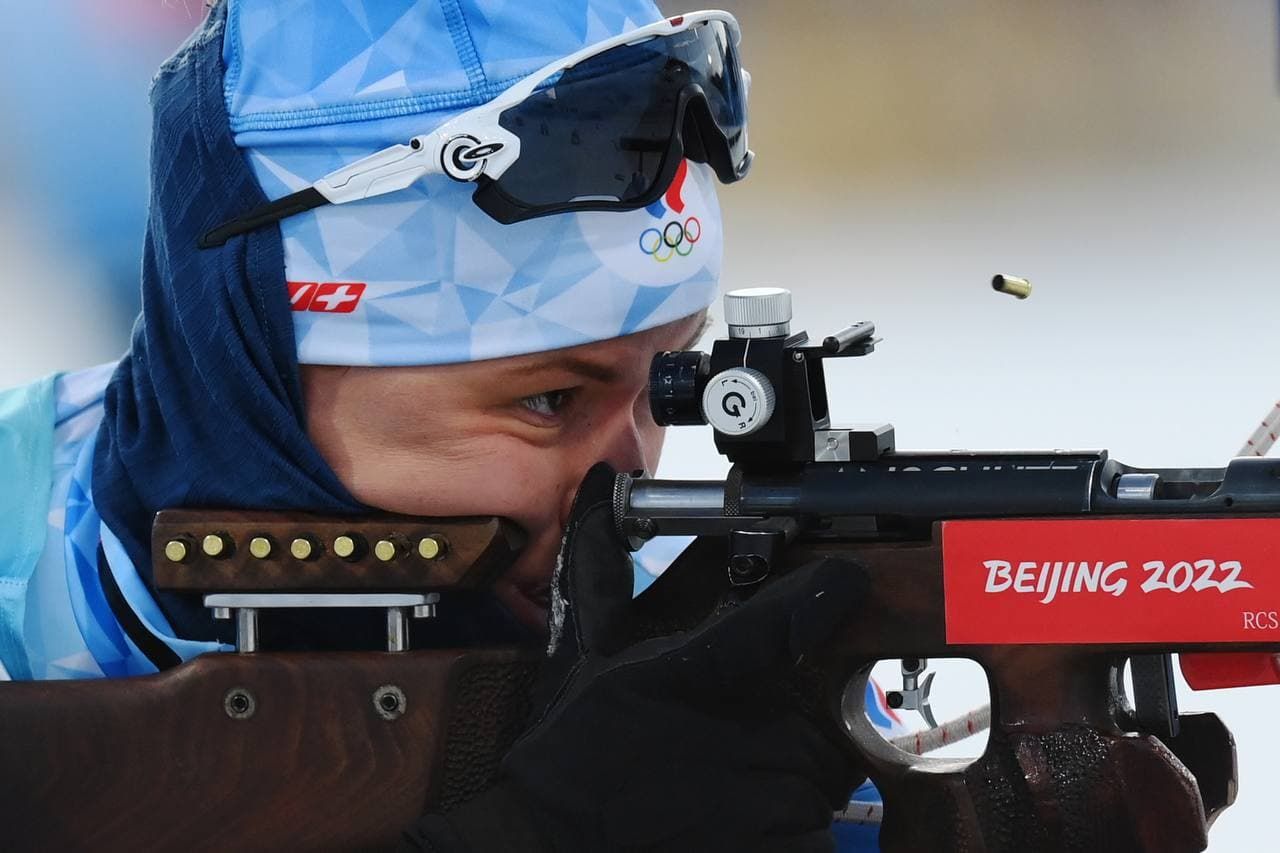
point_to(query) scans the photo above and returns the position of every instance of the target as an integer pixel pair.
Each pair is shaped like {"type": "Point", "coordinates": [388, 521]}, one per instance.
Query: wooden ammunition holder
{"type": "Point", "coordinates": [473, 551]}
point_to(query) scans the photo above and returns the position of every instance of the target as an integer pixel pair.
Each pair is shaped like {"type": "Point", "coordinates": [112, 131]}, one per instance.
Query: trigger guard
{"type": "Point", "coordinates": [881, 756]}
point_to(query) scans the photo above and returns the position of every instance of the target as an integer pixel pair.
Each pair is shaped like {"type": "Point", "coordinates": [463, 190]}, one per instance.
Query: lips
{"type": "Point", "coordinates": [537, 593]}
{"type": "Point", "coordinates": [528, 601]}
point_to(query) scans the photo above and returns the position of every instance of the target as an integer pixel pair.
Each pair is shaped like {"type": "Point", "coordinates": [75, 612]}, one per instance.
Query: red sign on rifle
{"type": "Point", "coordinates": [1112, 581]}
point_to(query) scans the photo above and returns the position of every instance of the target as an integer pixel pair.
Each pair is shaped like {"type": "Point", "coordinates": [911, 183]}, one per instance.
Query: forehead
{"type": "Point", "coordinates": [616, 359]}
{"type": "Point", "coordinates": [614, 352]}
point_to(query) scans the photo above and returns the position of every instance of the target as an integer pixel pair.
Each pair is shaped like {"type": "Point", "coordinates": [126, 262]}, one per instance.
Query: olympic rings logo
{"type": "Point", "coordinates": [674, 239]}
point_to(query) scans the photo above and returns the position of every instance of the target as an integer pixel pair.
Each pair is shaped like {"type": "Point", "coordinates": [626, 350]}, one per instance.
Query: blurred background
{"type": "Point", "coordinates": [73, 175]}
{"type": "Point", "coordinates": [1123, 156]}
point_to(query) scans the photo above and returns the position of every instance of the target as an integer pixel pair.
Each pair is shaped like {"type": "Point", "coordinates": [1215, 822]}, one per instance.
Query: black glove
{"type": "Point", "coordinates": [688, 742]}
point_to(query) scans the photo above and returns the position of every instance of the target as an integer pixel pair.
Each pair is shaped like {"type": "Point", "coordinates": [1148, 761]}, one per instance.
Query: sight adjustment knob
{"type": "Point", "coordinates": [758, 312]}
{"type": "Point", "coordinates": [676, 381]}
{"type": "Point", "coordinates": [738, 401]}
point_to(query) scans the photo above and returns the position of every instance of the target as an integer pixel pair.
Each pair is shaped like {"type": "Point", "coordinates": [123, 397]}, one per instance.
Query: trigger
{"type": "Point", "coordinates": [926, 708]}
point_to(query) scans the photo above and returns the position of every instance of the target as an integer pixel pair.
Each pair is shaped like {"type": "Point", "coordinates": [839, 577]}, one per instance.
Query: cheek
{"type": "Point", "coordinates": [493, 476]}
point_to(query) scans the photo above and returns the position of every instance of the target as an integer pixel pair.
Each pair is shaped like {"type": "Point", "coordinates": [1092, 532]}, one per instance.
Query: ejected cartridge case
{"type": "Point", "coordinates": [1011, 285]}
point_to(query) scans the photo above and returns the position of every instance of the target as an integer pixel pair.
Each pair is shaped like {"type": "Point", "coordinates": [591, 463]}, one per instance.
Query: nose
{"type": "Point", "coordinates": [627, 439]}
{"type": "Point", "coordinates": [623, 442]}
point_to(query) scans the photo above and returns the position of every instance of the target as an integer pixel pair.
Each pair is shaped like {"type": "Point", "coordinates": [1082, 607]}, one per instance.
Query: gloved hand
{"type": "Point", "coordinates": [679, 743]}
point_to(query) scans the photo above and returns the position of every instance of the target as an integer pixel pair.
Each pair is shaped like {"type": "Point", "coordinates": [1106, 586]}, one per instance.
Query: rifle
{"type": "Point", "coordinates": [339, 750]}
{"type": "Point", "coordinates": [1050, 569]}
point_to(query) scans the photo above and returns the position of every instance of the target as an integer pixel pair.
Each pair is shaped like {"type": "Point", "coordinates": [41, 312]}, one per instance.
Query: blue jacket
{"type": "Point", "coordinates": [54, 618]}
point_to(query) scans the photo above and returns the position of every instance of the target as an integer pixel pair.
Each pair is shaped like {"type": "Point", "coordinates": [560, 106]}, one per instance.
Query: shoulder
{"type": "Point", "coordinates": [46, 428]}
{"type": "Point", "coordinates": [65, 406]}
{"type": "Point", "coordinates": [28, 414]}
{"type": "Point", "coordinates": [78, 399]}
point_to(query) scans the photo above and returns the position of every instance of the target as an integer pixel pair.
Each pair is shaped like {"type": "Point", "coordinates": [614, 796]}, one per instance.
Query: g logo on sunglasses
{"type": "Point", "coordinates": [675, 238]}
{"type": "Point", "coordinates": [463, 156]}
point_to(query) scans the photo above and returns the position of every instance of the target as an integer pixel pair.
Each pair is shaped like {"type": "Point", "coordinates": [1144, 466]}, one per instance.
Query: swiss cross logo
{"type": "Point", "coordinates": [331, 297]}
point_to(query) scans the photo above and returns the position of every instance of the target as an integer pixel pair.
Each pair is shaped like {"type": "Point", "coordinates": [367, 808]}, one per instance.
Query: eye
{"type": "Point", "coordinates": [549, 404]}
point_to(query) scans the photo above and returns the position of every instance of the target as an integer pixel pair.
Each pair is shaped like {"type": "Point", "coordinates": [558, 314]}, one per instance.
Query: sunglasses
{"type": "Point", "coordinates": [605, 128]}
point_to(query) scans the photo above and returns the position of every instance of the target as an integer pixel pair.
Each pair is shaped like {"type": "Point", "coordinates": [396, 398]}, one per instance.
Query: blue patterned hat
{"type": "Point", "coordinates": [422, 276]}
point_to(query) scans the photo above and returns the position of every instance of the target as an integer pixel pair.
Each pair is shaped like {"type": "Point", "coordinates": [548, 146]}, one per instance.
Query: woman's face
{"type": "Point", "coordinates": [510, 437]}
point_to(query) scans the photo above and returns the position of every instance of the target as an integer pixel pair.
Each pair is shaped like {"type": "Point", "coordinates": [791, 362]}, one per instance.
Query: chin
{"type": "Point", "coordinates": [525, 588]}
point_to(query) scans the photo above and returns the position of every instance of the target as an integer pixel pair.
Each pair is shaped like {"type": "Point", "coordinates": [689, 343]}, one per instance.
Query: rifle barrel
{"type": "Point", "coordinates": [912, 489]}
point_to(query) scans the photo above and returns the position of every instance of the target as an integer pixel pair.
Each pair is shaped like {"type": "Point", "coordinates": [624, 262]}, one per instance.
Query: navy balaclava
{"type": "Point", "coordinates": [206, 410]}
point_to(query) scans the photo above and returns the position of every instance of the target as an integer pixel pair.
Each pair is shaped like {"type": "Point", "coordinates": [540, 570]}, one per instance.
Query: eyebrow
{"type": "Point", "coordinates": [605, 373]}
{"type": "Point", "coordinates": [570, 363]}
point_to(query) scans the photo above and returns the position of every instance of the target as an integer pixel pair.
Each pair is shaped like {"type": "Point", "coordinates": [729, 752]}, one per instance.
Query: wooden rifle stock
{"type": "Point", "coordinates": [255, 752]}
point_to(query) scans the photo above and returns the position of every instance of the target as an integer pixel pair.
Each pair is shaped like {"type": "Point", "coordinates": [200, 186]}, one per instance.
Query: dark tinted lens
{"type": "Point", "coordinates": [601, 130]}
{"type": "Point", "coordinates": [721, 79]}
